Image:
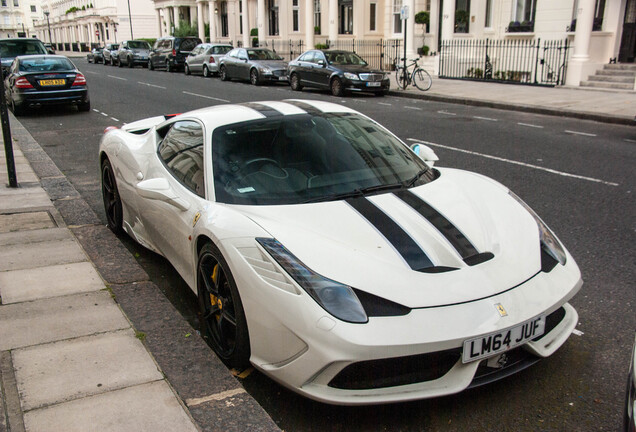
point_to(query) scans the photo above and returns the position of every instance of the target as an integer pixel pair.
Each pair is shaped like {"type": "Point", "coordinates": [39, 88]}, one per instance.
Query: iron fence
{"type": "Point", "coordinates": [531, 62]}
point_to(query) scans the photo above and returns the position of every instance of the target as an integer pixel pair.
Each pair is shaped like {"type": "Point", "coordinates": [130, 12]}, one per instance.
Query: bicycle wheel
{"type": "Point", "coordinates": [401, 78]}
{"type": "Point", "coordinates": [422, 79]}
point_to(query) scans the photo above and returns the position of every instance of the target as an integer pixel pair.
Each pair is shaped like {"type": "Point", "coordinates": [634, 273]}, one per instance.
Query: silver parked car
{"type": "Point", "coordinates": [257, 65]}
{"type": "Point", "coordinates": [204, 58]}
{"type": "Point", "coordinates": [132, 53]}
{"type": "Point", "coordinates": [110, 53]}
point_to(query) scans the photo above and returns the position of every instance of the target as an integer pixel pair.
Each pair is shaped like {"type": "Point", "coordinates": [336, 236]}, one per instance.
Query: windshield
{"type": "Point", "coordinates": [21, 47]}
{"type": "Point", "coordinates": [344, 58]}
{"type": "Point", "coordinates": [138, 45]}
{"type": "Point", "coordinates": [262, 55]}
{"type": "Point", "coordinates": [301, 158]}
{"type": "Point", "coordinates": [45, 64]}
{"type": "Point", "coordinates": [221, 49]}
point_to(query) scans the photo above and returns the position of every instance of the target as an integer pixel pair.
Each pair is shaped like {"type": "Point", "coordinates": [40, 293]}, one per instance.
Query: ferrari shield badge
{"type": "Point", "coordinates": [501, 309]}
{"type": "Point", "coordinates": [196, 219]}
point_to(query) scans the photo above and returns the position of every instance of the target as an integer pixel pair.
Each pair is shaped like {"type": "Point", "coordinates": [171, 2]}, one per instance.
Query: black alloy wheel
{"type": "Point", "coordinates": [294, 82]}
{"type": "Point", "coordinates": [112, 201]}
{"type": "Point", "coordinates": [221, 317]}
{"type": "Point", "coordinates": [206, 71]}
{"type": "Point", "coordinates": [130, 62]}
{"type": "Point", "coordinates": [336, 87]}
{"type": "Point", "coordinates": [120, 64]}
{"type": "Point", "coordinates": [254, 77]}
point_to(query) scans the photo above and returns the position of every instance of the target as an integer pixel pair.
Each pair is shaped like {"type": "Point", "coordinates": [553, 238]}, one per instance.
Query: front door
{"type": "Point", "coordinates": [627, 51]}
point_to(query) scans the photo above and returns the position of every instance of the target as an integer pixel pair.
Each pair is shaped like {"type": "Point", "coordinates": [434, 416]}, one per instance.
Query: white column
{"type": "Point", "coordinates": [578, 65]}
{"type": "Point", "coordinates": [211, 7]}
{"type": "Point", "coordinates": [448, 20]}
{"type": "Point", "coordinates": [175, 18]}
{"type": "Point", "coordinates": [309, 24]}
{"type": "Point", "coordinates": [411, 49]}
{"type": "Point", "coordinates": [260, 18]}
{"type": "Point", "coordinates": [434, 24]}
{"type": "Point", "coordinates": [193, 13]}
{"type": "Point", "coordinates": [200, 20]}
{"type": "Point", "coordinates": [159, 22]}
{"type": "Point", "coordinates": [246, 23]}
{"type": "Point", "coordinates": [333, 20]}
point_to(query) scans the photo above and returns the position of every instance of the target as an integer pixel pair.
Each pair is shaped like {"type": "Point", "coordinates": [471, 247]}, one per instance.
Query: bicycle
{"type": "Point", "coordinates": [418, 77]}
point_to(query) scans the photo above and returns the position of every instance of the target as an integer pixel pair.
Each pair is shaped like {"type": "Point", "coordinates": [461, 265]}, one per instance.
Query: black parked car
{"type": "Point", "coordinates": [96, 55]}
{"type": "Point", "coordinates": [37, 80]}
{"type": "Point", "coordinates": [11, 48]}
{"type": "Point", "coordinates": [132, 53]}
{"type": "Point", "coordinates": [170, 52]}
{"type": "Point", "coordinates": [338, 71]}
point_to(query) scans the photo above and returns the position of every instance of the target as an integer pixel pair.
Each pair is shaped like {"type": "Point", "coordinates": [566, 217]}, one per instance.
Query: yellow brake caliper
{"type": "Point", "coordinates": [214, 299]}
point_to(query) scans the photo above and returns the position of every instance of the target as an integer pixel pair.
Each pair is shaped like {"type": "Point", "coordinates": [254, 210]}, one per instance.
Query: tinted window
{"type": "Point", "coordinates": [45, 64]}
{"type": "Point", "coordinates": [138, 45]}
{"type": "Point", "coordinates": [344, 58]}
{"type": "Point", "coordinates": [307, 57]}
{"type": "Point", "coordinates": [182, 152]}
{"type": "Point", "coordinates": [262, 54]}
{"type": "Point", "coordinates": [14, 48]}
{"type": "Point", "coordinates": [188, 44]}
{"type": "Point", "coordinates": [221, 49]}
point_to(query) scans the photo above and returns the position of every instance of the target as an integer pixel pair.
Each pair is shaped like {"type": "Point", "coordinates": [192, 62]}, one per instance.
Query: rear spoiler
{"type": "Point", "coordinates": [142, 126]}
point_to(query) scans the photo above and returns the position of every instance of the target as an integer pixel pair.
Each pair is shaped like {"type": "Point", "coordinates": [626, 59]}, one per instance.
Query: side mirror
{"type": "Point", "coordinates": [425, 153]}
{"type": "Point", "coordinates": [321, 63]}
{"type": "Point", "coordinates": [159, 189]}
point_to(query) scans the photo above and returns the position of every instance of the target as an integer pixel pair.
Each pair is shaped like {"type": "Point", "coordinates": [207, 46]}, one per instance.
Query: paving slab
{"type": "Point", "coordinates": [46, 282]}
{"type": "Point", "coordinates": [25, 221]}
{"type": "Point", "coordinates": [34, 236]}
{"type": "Point", "coordinates": [148, 407]}
{"type": "Point", "coordinates": [49, 320]}
{"type": "Point", "coordinates": [16, 199]}
{"type": "Point", "coordinates": [69, 370]}
{"type": "Point", "coordinates": [42, 254]}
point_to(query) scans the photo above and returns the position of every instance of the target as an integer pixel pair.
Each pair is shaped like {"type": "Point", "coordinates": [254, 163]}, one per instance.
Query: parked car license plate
{"type": "Point", "coordinates": [494, 343]}
{"type": "Point", "coordinates": [52, 82]}
{"type": "Point", "coordinates": [374, 84]}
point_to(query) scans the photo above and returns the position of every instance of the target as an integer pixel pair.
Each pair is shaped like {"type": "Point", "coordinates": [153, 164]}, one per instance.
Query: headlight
{"type": "Point", "coordinates": [337, 299]}
{"type": "Point", "coordinates": [351, 76]}
{"type": "Point", "coordinates": [549, 241]}
{"type": "Point", "coordinates": [265, 71]}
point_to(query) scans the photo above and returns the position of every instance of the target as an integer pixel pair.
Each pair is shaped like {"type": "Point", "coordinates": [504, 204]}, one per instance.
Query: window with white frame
{"type": "Point", "coordinates": [345, 16]}
{"type": "Point", "coordinates": [488, 15]}
{"type": "Point", "coordinates": [397, 21]}
{"type": "Point", "coordinates": [462, 15]}
{"type": "Point", "coordinates": [272, 11]}
{"type": "Point", "coordinates": [295, 12]}
{"type": "Point", "coordinates": [372, 16]}
{"type": "Point", "coordinates": [317, 16]}
{"type": "Point", "coordinates": [33, 9]}
{"type": "Point", "coordinates": [523, 11]}
{"type": "Point", "coordinates": [599, 13]}
{"type": "Point", "coordinates": [16, 3]}
{"type": "Point", "coordinates": [4, 3]}
{"type": "Point", "coordinates": [7, 19]}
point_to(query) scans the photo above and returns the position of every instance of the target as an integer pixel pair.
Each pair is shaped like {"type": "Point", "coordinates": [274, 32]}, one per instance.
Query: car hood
{"type": "Point", "coordinates": [356, 69]}
{"type": "Point", "coordinates": [338, 242]}
{"type": "Point", "coordinates": [271, 64]}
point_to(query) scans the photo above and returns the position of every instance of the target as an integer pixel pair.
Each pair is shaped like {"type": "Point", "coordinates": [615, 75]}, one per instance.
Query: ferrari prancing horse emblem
{"type": "Point", "coordinates": [501, 309]}
{"type": "Point", "coordinates": [196, 219]}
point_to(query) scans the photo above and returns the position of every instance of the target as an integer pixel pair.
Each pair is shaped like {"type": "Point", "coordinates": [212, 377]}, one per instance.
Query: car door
{"type": "Point", "coordinates": [170, 223]}
{"type": "Point", "coordinates": [301, 67]}
{"type": "Point", "coordinates": [321, 72]}
{"type": "Point", "coordinates": [232, 61]}
{"type": "Point", "coordinates": [195, 59]}
{"type": "Point", "coordinates": [243, 65]}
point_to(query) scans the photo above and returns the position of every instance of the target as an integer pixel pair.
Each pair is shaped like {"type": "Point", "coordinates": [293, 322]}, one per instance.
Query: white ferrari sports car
{"type": "Point", "coordinates": [336, 259]}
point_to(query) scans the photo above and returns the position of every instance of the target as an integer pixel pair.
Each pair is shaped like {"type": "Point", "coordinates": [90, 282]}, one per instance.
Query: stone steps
{"type": "Point", "coordinates": [613, 76]}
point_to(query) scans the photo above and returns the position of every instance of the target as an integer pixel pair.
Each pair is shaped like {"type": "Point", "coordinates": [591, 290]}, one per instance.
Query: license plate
{"type": "Point", "coordinates": [494, 343]}
{"type": "Point", "coordinates": [283, 78]}
{"type": "Point", "coordinates": [52, 82]}
{"type": "Point", "coordinates": [374, 84]}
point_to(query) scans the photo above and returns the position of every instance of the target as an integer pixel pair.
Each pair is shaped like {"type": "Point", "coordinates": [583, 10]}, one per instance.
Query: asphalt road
{"type": "Point", "coordinates": [578, 176]}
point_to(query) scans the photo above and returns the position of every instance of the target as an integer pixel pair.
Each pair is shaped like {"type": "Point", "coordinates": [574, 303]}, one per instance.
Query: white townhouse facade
{"type": "Point", "coordinates": [76, 25]}
{"type": "Point", "coordinates": [596, 30]}
{"type": "Point", "coordinates": [17, 17]}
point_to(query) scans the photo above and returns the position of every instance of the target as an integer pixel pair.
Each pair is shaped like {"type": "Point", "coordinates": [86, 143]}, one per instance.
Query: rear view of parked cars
{"type": "Point", "coordinates": [204, 59]}
{"type": "Point", "coordinates": [170, 52]}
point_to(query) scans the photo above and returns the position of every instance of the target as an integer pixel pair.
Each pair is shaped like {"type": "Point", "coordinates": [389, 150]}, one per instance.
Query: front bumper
{"type": "Point", "coordinates": [367, 86]}
{"type": "Point", "coordinates": [295, 342]}
{"type": "Point", "coordinates": [274, 76]}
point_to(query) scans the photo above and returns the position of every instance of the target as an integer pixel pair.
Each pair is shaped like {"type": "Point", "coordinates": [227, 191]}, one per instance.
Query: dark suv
{"type": "Point", "coordinates": [11, 48]}
{"type": "Point", "coordinates": [170, 52]}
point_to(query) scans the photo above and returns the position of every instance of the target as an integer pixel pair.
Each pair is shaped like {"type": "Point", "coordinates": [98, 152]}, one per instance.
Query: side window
{"type": "Point", "coordinates": [307, 57]}
{"type": "Point", "coordinates": [318, 55]}
{"type": "Point", "coordinates": [181, 150]}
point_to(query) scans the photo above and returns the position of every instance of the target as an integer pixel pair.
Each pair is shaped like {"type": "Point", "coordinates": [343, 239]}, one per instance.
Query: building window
{"type": "Point", "coordinates": [225, 29]}
{"type": "Point", "coordinates": [240, 16]}
{"type": "Point", "coordinates": [488, 19]}
{"type": "Point", "coordinates": [372, 16]}
{"type": "Point", "coordinates": [272, 8]}
{"type": "Point", "coordinates": [397, 22]}
{"type": "Point", "coordinates": [33, 8]}
{"type": "Point", "coordinates": [345, 16]}
{"type": "Point", "coordinates": [317, 16]}
{"type": "Point", "coordinates": [462, 15]}
{"type": "Point", "coordinates": [295, 10]}
{"type": "Point", "coordinates": [4, 3]}
{"type": "Point", "coordinates": [16, 3]}
{"type": "Point", "coordinates": [523, 12]}
{"type": "Point", "coordinates": [599, 13]}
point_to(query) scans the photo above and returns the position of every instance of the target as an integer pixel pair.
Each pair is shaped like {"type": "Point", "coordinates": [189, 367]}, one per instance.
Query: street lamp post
{"type": "Point", "coordinates": [48, 25]}
{"type": "Point", "coordinates": [130, 20]}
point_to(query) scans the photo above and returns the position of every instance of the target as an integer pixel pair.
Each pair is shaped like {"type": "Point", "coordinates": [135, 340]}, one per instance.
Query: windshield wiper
{"type": "Point", "coordinates": [360, 192]}
{"type": "Point", "coordinates": [415, 178]}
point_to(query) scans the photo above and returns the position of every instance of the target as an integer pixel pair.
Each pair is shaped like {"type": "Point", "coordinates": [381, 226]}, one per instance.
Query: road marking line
{"type": "Point", "coordinates": [113, 118]}
{"type": "Point", "coordinates": [485, 118]}
{"type": "Point", "coordinates": [447, 113]}
{"type": "Point", "coordinates": [150, 85]}
{"type": "Point", "coordinates": [413, 108]}
{"type": "Point", "coordinates": [530, 125]}
{"type": "Point", "coordinates": [527, 165]}
{"type": "Point", "coordinates": [384, 103]}
{"type": "Point", "coordinates": [577, 332]}
{"type": "Point", "coordinates": [630, 140]}
{"type": "Point", "coordinates": [116, 77]}
{"type": "Point", "coordinates": [95, 110]}
{"type": "Point", "coordinates": [215, 397]}
{"type": "Point", "coordinates": [204, 96]}
{"type": "Point", "coordinates": [94, 73]}
{"type": "Point", "coordinates": [104, 114]}
{"type": "Point", "coordinates": [580, 133]}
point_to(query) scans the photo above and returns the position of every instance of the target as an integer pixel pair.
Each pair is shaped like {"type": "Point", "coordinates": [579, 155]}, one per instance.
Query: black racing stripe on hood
{"type": "Point", "coordinates": [456, 238]}
{"type": "Point", "coordinates": [263, 109]}
{"type": "Point", "coordinates": [401, 241]}
{"type": "Point", "coordinates": [304, 106]}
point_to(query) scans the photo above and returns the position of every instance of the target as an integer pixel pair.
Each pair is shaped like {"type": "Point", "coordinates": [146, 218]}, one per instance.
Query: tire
{"type": "Point", "coordinates": [402, 81]}
{"type": "Point", "coordinates": [422, 79]}
{"type": "Point", "coordinates": [120, 64]}
{"type": "Point", "coordinates": [186, 69]}
{"type": "Point", "coordinates": [254, 77]}
{"type": "Point", "coordinates": [221, 317]}
{"type": "Point", "coordinates": [130, 63]}
{"type": "Point", "coordinates": [294, 82]}
{"type": "Point", "coordinates": [169, 67]}
{"type": "Point", "coordinates": [206, 71]}
{"type": "Point", "coordinates": [17, 109]}
{"type": "Point", "coordinates": [150, 66]}
{"type": "Point", "coordinates": [89, 60]}
{"type": "Point", "coordinates": [111, 199]}
{"type": "Point", "coordinates": [336, 87]}
{"type": "Point", "coordinates": [223, 74]}
{"type": "Point", "coordinates": [84, 106]}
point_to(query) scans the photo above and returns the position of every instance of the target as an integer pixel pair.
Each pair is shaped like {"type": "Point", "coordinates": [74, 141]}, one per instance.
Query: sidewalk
{"type": "Point", "coordinates": [78, 318]}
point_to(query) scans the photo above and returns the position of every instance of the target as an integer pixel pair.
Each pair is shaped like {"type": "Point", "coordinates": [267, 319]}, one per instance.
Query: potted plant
{"type": "Point", "coordinates": [423, 50]}
{"type": "Point", "coordinates": [423, 18]}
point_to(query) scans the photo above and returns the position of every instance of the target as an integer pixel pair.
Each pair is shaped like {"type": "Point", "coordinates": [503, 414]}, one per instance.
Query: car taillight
{"type": "Point", "coordinates": [110, 128]}
{"type": "Point", "coordinates": [23, 83]}
{"type": "Point", "coordinates": [80, 80]}
{"type": "Point", "coordinates": [174, 52]}
{"type": "Point", "coordinates": [211, 60]}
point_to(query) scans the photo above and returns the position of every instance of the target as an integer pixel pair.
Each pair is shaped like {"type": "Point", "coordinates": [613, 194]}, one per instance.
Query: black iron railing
{"type": "Point", "coordinates": [530, 62]}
